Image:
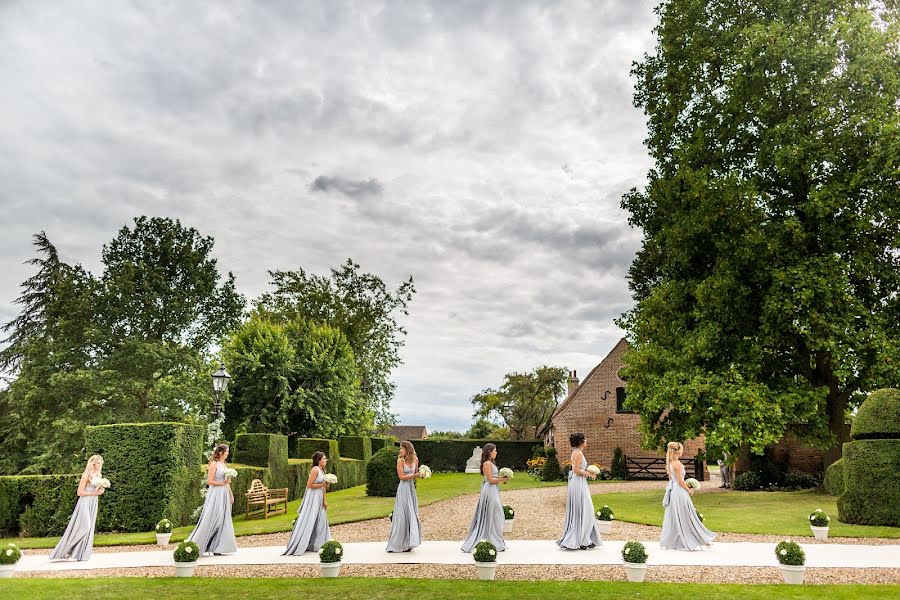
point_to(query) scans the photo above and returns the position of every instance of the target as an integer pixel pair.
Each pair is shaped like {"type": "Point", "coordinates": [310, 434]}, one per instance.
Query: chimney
{"type": "Point", "coordinates": [573, 382]}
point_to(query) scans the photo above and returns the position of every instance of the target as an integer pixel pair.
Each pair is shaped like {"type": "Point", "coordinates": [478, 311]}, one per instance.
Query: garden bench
{"type": "Point", "coordinates": [264, 501]}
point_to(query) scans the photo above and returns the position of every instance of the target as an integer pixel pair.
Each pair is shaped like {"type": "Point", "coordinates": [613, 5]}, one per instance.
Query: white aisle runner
{"type": "Point", "coordinates": [519, 552]}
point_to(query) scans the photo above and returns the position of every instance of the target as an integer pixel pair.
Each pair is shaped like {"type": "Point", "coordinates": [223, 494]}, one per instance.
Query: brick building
{"type": "Point", "coordinates": [594, 407]}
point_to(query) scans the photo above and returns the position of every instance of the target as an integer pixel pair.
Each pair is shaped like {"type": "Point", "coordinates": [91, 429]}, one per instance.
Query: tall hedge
{"type": "Point", "coordinates": [381, 472]}
{"type": "Point", "coordinates": [834, 478]}
{"type": "Point", "coordinates": [356, 446]}
{"type": "Point", "coordinates": [36, 505]}
{"type": "Point", "coordinates": [380, 442]}
{"type": "Point", "coordinates": [451, 455]}
{"type": "Point", "coordinates": [871, 483]}
{"type": "Point", "coordinates": [304, 448]}
{"type": "Point", "coordinates": [154, 469]}
{"type": "Point", "coordinates": [878, 417]}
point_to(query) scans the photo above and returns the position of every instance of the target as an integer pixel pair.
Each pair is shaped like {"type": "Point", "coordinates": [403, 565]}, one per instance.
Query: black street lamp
{"type": "Point", "coordinates": [220, 384]}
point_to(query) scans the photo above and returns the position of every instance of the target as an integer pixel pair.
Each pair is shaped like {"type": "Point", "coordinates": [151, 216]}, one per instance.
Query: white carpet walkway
{"type": "Point", "coordinates": [519, 552]}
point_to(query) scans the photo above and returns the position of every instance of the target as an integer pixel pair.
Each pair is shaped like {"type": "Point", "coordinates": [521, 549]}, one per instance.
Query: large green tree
{"type": "Point", "coordinates": [767, 287]}
{"type": "Point", "coordinates": [363, 308]}
{"type": "Point", "coordinates": [130, 345]}
{"type": "Point", "coordinates": [525, 402]}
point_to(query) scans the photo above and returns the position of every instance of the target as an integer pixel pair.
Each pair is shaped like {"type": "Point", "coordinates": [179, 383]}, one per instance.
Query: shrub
{"type": "Point", "coordinates": [154, 468]}
{"type": "Point", "coordinates": [872, 481]}
{"type": "Point", "coordinates": [834, 478]}
{"type": "Point", "coordinates": [304, 448]}
{"type": "Point", "coordinates": [802, 481]}
{"type": "Point", "coordinates": [748, 481]}
{"type": "Point", "coordinates": [451, 455]}
{"type": "Point", "coordinates": [819, 519]}
{"type": "Point", "coordinates": [164, 526]}
{"type": "Point", "coordinates": [538, 451]}
{"type": "Point", "coordinates": [618, 469]}
{"type": "Point", "coordinates": [878, 416]}
{"type": "Point", "coordinates": [10, 554]}
{"type": "Point", "coordinates": [634, 552]}
{"type": "Point", "coordinates": [508, 512]}
{"type": "Point", "coordinates": [790, 553]}
{"type": "Point", "coordinates": [485, 551]}
{"type": "Point", "coordinates": [356, 446]}
{"type": "Point", "coordinates": [382, 442]}
{"type": "Point", "coordinates": [381, 473]}
{"type": "Point", "coordinates": [551, 470]}
{"type": "Point", "coordinates": [331, 552]}
{"type": "Point", "coordinates": [37, 505]}
{"type": "Point", "coordinates": [186, 552]}
{"type": "Point", "coordinates": [605, 513]}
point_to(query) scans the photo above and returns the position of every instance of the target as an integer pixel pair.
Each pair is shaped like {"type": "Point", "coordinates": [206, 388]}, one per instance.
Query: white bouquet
{"type": "Point", "coordinates": [692, 483]}
{"type": "Point", "coordinates": [330, 478]}
{"type": "Point", "coordinates": [100, 482]}
{"type": "Point", "coordinates": [230, 473]}
{"type": "Point", "coordinates": [505, 472]}
{"type": "Point", "coordinates": [425, 471]}
{"type": "Point", "coordinates": [593, 469]}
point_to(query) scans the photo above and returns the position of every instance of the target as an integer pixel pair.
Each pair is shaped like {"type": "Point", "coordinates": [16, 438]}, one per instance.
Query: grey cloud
{"type": "Point", "coordinates": [348, 187]}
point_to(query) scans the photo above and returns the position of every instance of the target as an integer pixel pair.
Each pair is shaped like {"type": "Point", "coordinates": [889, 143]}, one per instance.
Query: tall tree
{"type": "Point", "coordinates": [363, 308]}
{"type": "Point", "coordinates": [767, 287]}
{"type": "Point", "coordinates": [525, 402]}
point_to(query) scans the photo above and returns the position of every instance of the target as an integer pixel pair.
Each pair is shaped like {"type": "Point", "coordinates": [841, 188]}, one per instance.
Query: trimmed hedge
{"type": "Point", "coordinates": [304, 448]}
{"type": "Point", "coordinates": [356, 446]}
{"type": "Point", "coordinates": [878, 417]}
{"type": "Point", "coordinates": [37, 505]}
{"type": "Point", "coordinates": [154, 469]}
{"type": "Point", "coordinates": [451, 455]}
{"type": "Point", "coordinates": [382, 442]}
{"type": "Point", "coordinates": [551, 471]}
{"type": "Point", "coordinates": [381, 472]}
{"type": "Point", "coordinates": [871, 482]}
{"type": "Point", "coordinates": [834, 478]}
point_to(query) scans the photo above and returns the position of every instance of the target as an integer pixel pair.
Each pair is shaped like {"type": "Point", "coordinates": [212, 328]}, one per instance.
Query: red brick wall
{"type": "Point", "coordinates": [592, 411]}
{"type": "Point", "coordinates": [797, 457]}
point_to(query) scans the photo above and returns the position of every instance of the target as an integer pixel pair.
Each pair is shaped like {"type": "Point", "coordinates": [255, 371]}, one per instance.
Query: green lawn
{"type": "Point", "coordinates": [344, 506]}
{"type": "Point", "coordinates": [779, 513]}
{"type": "Point", "coordinates": [413, 589]}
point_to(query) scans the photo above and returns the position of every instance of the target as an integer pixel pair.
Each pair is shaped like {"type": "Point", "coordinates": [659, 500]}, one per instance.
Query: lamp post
{"type": "Point", "coordinates": [220, 384]}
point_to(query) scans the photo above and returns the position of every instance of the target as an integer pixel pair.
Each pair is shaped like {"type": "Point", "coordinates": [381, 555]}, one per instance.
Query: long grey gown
{"type": "Point", "coordinates": [406, 531]}
{"type": "Point", "coordinates": [77, 542]}
{"type": "Point", "coordinates": [311, 530]}
{"type": "Point", "coordinates": [487, 522]}
{"type": "Point", "coordinates": [579, 528]}
{"type": "Point", "coordinates": [214, 531]}
{"type": "Point", "coordinates": [682, 528]}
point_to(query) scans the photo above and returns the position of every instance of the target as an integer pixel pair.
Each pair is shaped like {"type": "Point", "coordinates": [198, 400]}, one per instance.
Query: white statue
{"type": "Point", "coordinates": [473, 465]}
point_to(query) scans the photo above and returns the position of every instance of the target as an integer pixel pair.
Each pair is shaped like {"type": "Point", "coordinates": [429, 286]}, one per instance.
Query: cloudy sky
{"type": "Point", "coordinates": [481, 147]}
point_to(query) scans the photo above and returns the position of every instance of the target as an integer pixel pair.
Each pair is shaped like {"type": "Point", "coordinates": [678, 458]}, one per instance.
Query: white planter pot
{"type": "Point", "coordinates": [635, 571]}
{"type": "Point", "coordinates": [486, 570]}
{"type": "Point", "coordinates": [508, 525]}
{"type": "Point", "coordinates": [7, 571]}
{"type": "Point", "coordinates": [820, 533]}
{"type": "Point", "coordinates": [793, 574]}
{"type": "Point", "coordinates": [162, 539]}
{"type": "Point", "coordinates": [185, 569]}
{"type": "Point", "coordinates": [604, 527]}
{"type": "Point", "coordinates": [330, 569]}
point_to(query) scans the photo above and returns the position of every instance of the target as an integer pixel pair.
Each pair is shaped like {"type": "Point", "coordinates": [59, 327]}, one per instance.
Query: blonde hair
{"type": "Point", "coordinates": [410, 452]}
{"type": "Point", "coordinates": [672, 451]}
{"type": "Point", "coordinates": [95, 459]}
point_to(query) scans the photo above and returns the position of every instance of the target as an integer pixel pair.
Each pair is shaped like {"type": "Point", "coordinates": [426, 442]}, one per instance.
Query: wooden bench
{"type": "Point", "coordinates": [264, 501]}
{"type": "Point", "coordinates": [654, 467]}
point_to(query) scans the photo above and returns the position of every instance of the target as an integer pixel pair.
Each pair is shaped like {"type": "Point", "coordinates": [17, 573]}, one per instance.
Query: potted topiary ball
{"type": "Point", "coordinates": [163, 532]}
{"type": "Point", "coordinates": [792, 559]}
{"type": "Point", "coordinates": [634, 557]}
{"type": "Point", "coordinates": [9, 556]}
{"type": "Point", "coordinates": [330, 556]}
{"type": "Point", "coordinates": [818, 522]}
{"type": "Point", "coordinates": [186, 555]}
{"type": "Point", "coordinates": [485, 559]}
{"type": "Point", "coordinates": [605, 518]}
{"type": "Point", "coordinates": [509, 517]}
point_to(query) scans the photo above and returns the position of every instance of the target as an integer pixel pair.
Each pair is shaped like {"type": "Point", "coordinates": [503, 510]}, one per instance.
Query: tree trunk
{"type": "Point", "coordinates": [837, 423]}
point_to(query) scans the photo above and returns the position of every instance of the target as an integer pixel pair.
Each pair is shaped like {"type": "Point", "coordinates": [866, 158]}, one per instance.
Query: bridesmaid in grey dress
{"type": "Point", "coordinates": [682, 529]}
{"type": "Point", "coordinates": [77, 542]}
{"type": "Point", "coordinates": [579, 528]}
{"type": "Point", "coordinates": [487, 522]}
{"type": "Point", "coordinates": [311, 529]}
{"type": "Point", "coordinates": [406, 531]}
{"type": "Point", "coordinates": [214, 532]}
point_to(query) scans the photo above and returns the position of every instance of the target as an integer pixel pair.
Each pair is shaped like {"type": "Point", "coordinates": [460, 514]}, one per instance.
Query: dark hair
{"type": "Point", "coordinates": [576, 440]}
{"type": "Point", "coordinates": [486, 453]}
{"type": "Point", "coordinates": [317, 457]}
{"type": "Point", "coordinates": [218, 452]}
